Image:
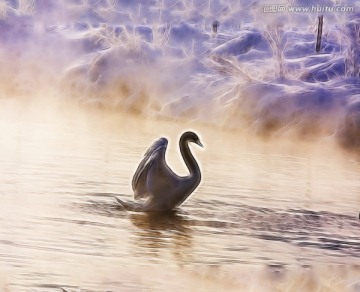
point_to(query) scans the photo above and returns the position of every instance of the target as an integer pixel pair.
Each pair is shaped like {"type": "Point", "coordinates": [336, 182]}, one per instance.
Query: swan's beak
{"type": "Point", "coordinates": [199, 143]}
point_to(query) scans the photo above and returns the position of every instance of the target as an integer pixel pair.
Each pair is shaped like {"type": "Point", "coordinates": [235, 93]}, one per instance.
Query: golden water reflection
{"type": "Point", "coordinates": [266, 216]}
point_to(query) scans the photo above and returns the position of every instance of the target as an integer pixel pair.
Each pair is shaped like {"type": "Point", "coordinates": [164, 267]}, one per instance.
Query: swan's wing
{"type": "Point", "coordinates": [139, 182]}
{"type": "Point", "coordinates": [161, 180]}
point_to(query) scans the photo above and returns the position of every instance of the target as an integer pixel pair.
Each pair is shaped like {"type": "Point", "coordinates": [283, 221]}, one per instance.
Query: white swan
{"type": "Point", "coordinates": [155, 181]}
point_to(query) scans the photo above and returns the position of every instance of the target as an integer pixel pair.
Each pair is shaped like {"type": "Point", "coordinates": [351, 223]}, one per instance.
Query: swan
{"type": "Point", "coordinates": [156, 182]}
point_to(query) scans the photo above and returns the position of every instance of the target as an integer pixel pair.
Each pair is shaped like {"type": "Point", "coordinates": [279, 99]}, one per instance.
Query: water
{"type": "Point", "coordinates": [274, 215]}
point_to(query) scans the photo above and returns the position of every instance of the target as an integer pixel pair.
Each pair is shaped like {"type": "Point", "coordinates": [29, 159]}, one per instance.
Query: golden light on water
{"type": "Point", "coordinates": [267, 215]}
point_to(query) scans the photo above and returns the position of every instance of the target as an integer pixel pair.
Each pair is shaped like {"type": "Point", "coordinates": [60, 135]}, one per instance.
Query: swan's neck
{"type": "Point", "coordinates": [189, 159]}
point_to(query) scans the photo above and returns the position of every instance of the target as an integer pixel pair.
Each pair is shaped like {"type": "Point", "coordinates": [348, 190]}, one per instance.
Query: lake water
{"type": "Point", "coordinates": [268, 216]}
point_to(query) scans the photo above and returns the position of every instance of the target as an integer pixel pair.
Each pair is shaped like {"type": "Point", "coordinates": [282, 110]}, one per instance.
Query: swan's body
{"type": "Point", "coordinates": [156, 182]}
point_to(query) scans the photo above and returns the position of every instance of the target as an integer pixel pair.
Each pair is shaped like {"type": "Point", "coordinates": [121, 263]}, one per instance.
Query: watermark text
{"type": "Point", "coordinates": [278, 8]}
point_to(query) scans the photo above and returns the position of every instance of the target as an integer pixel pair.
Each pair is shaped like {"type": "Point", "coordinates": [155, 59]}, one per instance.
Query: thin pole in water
{"type": "Point", "coordinates": [319, 33]}
{"type": "Point", "coordinates": [215, 26]}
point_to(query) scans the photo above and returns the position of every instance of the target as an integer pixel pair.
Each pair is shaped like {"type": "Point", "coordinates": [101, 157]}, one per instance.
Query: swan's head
{"type": "Point", "coordinates": [191, 137]}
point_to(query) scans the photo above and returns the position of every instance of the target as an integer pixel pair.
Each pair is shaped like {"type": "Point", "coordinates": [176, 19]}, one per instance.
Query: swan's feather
{"type": "Point", "coordinates": [131, 206]}
{"type": "Point", "coordinates": [140, 180]}
{"type": "Point", "coordinates": [161, 180]}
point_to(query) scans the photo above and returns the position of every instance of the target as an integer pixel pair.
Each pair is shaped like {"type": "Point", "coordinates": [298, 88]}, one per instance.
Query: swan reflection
{"type": "Point", "coordinates": [160, 232]}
